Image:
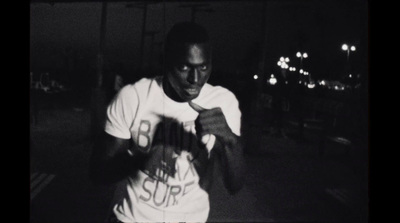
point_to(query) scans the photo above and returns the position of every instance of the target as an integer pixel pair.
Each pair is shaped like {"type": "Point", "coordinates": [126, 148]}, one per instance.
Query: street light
{"type": "Point", "coordinates": [311, 82]}
{"type": "Point", "coordinates": [272, 80]}
{"type": "Point", "coordinates": [283, 62]}
{"type": "Point", "coordinates": [311, 85]}
{"type": "Point", "coordinates": [306, 77]}
{"type": "Point", "coordinates": [346, 48]}
{"type": "Point", "coordinates": [301, 56]}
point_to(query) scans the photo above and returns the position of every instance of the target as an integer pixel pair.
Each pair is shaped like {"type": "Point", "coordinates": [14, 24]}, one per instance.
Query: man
{"type": "Point", "coordinates": [163, 136]}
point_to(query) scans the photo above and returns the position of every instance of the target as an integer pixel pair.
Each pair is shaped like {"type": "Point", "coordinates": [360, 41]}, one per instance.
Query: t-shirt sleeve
{"type": "Point", "coordinates": [233, 114]}
{"type": "Point", "coordinates": [121, 112]}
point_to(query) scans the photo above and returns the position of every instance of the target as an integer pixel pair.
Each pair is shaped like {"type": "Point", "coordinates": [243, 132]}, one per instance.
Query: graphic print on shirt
{"type": "Point", "coordinates": [170, 169]}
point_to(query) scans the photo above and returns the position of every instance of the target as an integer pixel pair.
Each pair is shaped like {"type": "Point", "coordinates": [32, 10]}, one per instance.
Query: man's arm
{"type": "Point", "coordinates": [230, 153]}
{"type": "Point", "coordinates": [228, 146]}
{"type": "Point", "coordinates": [110, 160]}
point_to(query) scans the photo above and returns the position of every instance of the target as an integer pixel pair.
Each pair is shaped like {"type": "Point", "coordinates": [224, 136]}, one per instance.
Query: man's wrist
{"type": "Point", "coordinates": [231, 139]}
{"type": "Point", "coordinates": [221, 144]}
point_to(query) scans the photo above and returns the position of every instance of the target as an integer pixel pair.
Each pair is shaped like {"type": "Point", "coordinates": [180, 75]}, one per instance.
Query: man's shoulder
{"type": "Point", "coordinates": [147, 81]}
{"type": "Point", "coordinates": [140, 85]}
{"type": "Point", "coordinates": [218, 91]}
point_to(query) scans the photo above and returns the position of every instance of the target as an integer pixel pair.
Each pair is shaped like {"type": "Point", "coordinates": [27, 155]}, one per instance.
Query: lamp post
{"type": "Point", "coordinates": [310, 84]}
{"type": "Point", "coordinates": [304, 77]}
{"type": "Point", "coordinates": [291, 69]}
{"type": "Point", "coordinates": [348, 48]}
{"type": "Point", "coordinates": [301, 56]}
{"type": "Point", "coordinates": [272, 80]}
{"type": "Point", "coordinates": [283, 63]}
{"type": "Point", "coordinates": [302, 74]}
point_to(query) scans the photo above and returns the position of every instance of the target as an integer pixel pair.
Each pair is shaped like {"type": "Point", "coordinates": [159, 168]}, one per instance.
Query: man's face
{"type": "Point", "coordinates": [189, 70]}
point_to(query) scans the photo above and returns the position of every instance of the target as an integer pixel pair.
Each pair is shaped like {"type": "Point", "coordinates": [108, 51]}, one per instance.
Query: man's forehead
{"type": "Point", "coordinates": [196, 49]}
{"type": "Point", "coordinates": [190, 53]}
{"type": "Point", "coordinates": [192, 47]}
{"type": "Point", "coordinates": [199, 51]}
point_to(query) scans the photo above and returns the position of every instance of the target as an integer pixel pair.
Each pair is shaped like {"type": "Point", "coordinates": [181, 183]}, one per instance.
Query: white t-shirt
{"type": "Point", "coordinates": [167, 190]}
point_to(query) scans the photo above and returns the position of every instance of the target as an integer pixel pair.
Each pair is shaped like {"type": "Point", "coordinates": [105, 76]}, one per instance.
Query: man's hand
{"type": "Point", "coordinates": [228, 146]}
{"type": "Point", "coordinates": [212, 122]}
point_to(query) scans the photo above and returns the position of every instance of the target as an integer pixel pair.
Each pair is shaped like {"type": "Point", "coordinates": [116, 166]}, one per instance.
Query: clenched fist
{"type": "Point", "coordinates": [211, 125]}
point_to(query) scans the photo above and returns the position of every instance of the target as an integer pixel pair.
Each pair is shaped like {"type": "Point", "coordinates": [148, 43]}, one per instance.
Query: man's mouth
{"type": "Point", "coordinates": [191, 91]}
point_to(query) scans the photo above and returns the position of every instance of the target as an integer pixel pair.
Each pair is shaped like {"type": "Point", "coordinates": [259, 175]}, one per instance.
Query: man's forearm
{"type": "Point", "coordinates": [233, 165]}
{"type": "Point", "coordinates": [111, 162]}
{"type": "Point", "coordinates": [110, 170]}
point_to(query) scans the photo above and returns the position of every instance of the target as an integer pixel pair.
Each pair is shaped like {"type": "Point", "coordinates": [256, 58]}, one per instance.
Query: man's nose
{"type": "Point", "coordinates": [193, 76]}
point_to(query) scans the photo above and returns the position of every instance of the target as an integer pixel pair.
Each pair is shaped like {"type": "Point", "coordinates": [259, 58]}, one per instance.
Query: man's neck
{"type": "Point", "coordinates": [169, 91]}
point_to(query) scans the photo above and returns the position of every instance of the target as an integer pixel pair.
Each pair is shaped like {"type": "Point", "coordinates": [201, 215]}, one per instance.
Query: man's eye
{"type": "Point", "coordinates": [183, 68]}
{"type": "Point", "coordinates": [203, 67]}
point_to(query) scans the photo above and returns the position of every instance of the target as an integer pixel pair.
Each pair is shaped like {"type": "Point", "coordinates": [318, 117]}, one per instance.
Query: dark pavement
{"type": "Point", "coordinates": [287, 181]}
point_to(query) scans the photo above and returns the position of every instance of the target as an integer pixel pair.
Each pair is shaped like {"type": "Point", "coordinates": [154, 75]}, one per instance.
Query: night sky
{"type": "Point", "coordinates": [317, 27]}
